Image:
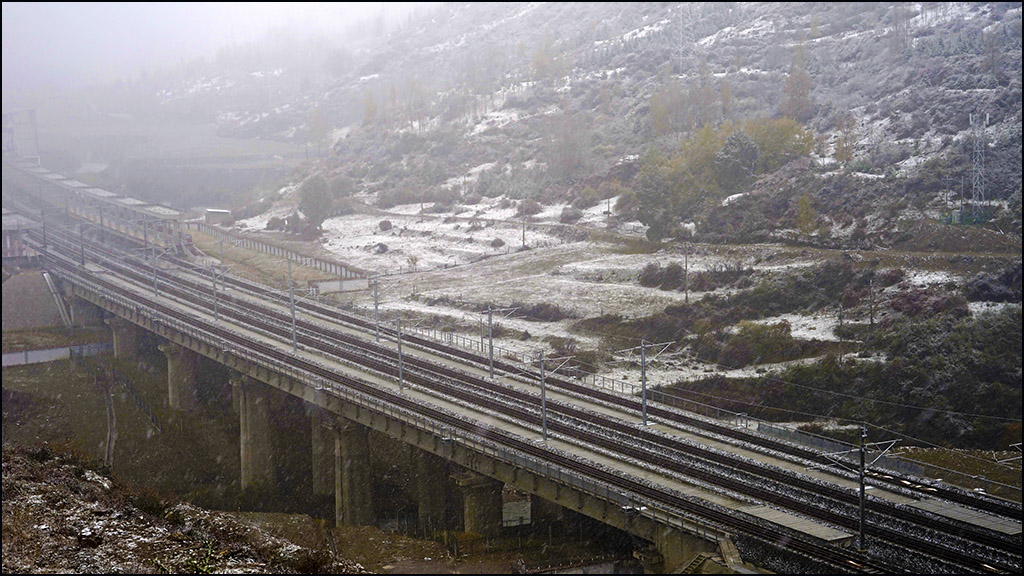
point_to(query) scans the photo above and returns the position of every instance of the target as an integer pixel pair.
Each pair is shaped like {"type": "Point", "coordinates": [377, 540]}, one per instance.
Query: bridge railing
{"type": "Point", "coordinates": [333, 267]}
{"type": "Point", "coordinates": [447, 433]}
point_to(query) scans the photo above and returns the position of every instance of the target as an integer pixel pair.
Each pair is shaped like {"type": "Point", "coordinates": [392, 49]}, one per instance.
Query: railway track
{"type": "Point", "coordinates": [839, 558]}
{"type": "Point", "coordinates": [648, 446]}
{"type": "Point", "coordinates": [895, 481]}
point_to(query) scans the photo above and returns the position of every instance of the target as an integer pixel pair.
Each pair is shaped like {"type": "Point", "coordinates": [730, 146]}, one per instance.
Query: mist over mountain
{"type": "Point", "coordinates": [591, 101]}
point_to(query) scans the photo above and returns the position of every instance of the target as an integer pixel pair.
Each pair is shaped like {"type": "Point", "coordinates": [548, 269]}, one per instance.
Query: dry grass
{"type": "Point", "coordinates": [257, 266]}
{"type": "Point", "coordinates": [56, 337]}
{"type": "Point", "coordinates": [972, 463]}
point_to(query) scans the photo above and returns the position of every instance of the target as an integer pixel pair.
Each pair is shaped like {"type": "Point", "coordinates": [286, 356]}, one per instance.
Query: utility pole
{"type": "Point", "coordinates": [686, 275]}
{"type": "Point", "coordinates": [871, 308]}
{"type": "Point", "coordinates": [376, 311]}
{"type": "Point", "coordinates": [490, 341]}
{"type": "Point", "coordinates": [213, 279]}
{"type": "Point", "coordinates": [643, 369]}
{"type": "Point", "coordinates": [863, 438]}
{"type": "Point", "coordinates": [543, 400]}
{"type": "Point", "coordinates": [840, 459]}
{"type": "Point", "coordinates": [643, 378]}
{"type": "Point", "coordinates": [81, 244]}
{"type": "Point", "coordinates": [291, 304]}
{"type": "Point", "coordinates": [401, 373]}
{"type": "Point", "coordinates": [840, 333]}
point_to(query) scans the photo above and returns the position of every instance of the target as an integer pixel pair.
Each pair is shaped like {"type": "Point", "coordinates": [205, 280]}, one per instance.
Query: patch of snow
{"type": "Point", "coordinates": [759, 28]}
{"type": "Point", "coordinates": [982, 307]}
{"type": "Point", "coordinates": [733, 198]}
{"type": "Point", "coordinates": [816, 327]}
{"type": "Point", "coordinates": [924, 278]}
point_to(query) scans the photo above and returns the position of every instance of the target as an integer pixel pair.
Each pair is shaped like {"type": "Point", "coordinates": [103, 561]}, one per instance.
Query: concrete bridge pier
{"type": "Point", "coordinates": [323, 453]}
{"type": "Point", "coordinates": [353, 490]}
{"type": "Point", "coordinates": [482, 505]}
{"type": "Point", "coordinates": [182, 365]}
{"type": "Point", "coordinates": [127, 337]}
{"type": "Point", "coordinates": [432, 491]}
{"type": "Point", "coordinates": [258, 469]}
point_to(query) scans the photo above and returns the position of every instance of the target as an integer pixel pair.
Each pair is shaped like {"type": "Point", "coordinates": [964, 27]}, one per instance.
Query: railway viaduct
{"type": "Point", "coordinates": [340, 420]}
{"type": "Point", "coordinates": [330, 380]}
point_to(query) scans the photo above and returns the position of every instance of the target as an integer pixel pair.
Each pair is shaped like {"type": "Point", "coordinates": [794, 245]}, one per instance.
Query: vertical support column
{"type": "Point", "coordinates": [323, 455]}
{"type": "Point", "coordinates": [482, 509]}
{"type": "Point", "coordinates": [258, 470]}
{"type": "Point", "coordinates": [126, 337]}
{"type": "Point", "coordinates": [353, 493]}
{"type": "Point", "coordinates": [181, 376]}
{"type": "Point", "coordinates": [432, 491]}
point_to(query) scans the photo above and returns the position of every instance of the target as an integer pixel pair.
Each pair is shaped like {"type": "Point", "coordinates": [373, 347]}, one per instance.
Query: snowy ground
{"type": "Point", "coordinates": [456, 259]}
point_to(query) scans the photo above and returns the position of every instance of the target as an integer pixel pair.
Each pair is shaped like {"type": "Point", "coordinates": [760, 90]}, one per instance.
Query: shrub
{"type": "Point", "coordinates": [570, 215]}
{"type": "Point", "coordinates": [529, 207]}
{"type": "Point", "coordinates": [497, 243]}
{"type": "Point", "coordinates": [651, 275]}
{"type": "Point", "coordinates": [759, 344]}
{"type": "Point", "coordinates": [384, 225]}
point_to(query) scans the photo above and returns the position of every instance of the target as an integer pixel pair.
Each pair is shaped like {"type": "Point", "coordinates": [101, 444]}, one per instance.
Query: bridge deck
{"type": "Point", "coordinates": [967, 515]}
{"type": "Point", "coordinates": [953, 511]}
{"type": "Point", "coordinates": [792, 521]}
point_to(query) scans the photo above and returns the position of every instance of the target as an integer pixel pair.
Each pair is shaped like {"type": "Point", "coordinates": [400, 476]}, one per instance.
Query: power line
{"type": "Point", "coordinates": [820, 416]}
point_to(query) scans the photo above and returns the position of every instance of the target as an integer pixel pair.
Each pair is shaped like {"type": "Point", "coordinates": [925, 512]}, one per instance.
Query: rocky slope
{"type": "Point", "coordinates": [63, 515]}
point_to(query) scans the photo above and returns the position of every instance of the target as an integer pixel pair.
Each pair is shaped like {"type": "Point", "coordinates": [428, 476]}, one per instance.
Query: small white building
{"type": "Point", "coordinates": [217, 216]}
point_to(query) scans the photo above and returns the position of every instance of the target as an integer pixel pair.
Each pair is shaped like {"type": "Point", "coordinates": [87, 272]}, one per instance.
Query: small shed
{"type": "Point", "coordinates": [217, 216]}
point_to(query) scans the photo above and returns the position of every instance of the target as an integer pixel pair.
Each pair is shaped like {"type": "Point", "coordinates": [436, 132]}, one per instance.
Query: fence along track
{"type": "Point", "coordinates": [276, 321]}
{"type": "Point", "coordinates": [277, 359]}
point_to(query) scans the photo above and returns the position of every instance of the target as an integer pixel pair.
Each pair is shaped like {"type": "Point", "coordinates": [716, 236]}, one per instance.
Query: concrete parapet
{"type": "Point", "coordinates": [353, 491]}
{"type": "Point", "coordinates": [127, 337]}
{"type": "Point", "coordinates": [181, 376]}
{"type": "Point", "coordinates": [482, 507]}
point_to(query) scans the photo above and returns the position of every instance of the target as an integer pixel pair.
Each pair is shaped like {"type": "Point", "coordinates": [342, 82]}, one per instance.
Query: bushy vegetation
{"type": "Point", "coordinates": [674, 277]}
{"type": "Point", "coordinates": [950, 381]}
{"type": "Point", "coordinates": [1002, 287]}
{"type": "Point", "coordinates": [711, 164]}
{"type": "Point", "coordinates": [760, 344]}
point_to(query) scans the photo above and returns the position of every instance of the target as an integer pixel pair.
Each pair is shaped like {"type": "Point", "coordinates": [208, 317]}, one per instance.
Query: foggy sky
{"type": "Point", "coordinates": [71, 44]}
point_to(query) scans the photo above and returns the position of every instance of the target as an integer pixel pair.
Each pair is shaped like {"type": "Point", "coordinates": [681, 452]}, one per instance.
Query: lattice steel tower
{"type": "Point", "coordinates": [978, 165]}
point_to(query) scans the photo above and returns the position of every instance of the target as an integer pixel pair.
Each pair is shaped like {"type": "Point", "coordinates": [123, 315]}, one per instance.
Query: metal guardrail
{"type": "Point", "coordinates": [53, 354]}
{"type": "Point", "coordinates": [472, 442]}
{"type": "Point", "coordinates": [332, 267]}
{"type": "Point", "coordinates": [897, 465]}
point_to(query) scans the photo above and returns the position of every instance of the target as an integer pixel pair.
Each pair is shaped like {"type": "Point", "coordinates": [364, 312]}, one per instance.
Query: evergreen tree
{"type": "Point", "coordinates": [796, 102]}
{"type": "Point", "coordinates": [316, 202]}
